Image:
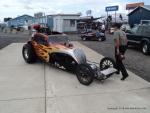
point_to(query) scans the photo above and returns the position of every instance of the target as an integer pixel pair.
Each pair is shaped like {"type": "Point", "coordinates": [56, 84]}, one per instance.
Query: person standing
{"type": "Point", "coordinates": [103, 28]}
{"type": "Point", "coordinates": [120, 41]}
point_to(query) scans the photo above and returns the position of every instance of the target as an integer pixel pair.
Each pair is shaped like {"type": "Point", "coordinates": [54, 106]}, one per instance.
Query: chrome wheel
{"type": "Point", "coordinates": [84, 38]}
{"type": "Point", "coordinates": [145, 48]}
{"type": "Point", "coordinates": [99, 39]}
{"type": "Point", "coordinates": [106, 63]}
{"type": "Point", "coordinates": [26, 53]}
{"type": "Point", "coordinates": [85, 74]}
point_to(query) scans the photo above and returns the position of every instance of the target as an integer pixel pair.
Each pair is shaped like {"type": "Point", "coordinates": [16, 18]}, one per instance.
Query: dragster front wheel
{"type": "Point", "coordinates": [106, 63]}
{"type": "Point", "coordinates": [85, 74]}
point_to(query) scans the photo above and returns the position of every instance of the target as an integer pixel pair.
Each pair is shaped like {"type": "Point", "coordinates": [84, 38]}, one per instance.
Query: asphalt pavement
{"type": "Point", "coordinates": [6, 39]}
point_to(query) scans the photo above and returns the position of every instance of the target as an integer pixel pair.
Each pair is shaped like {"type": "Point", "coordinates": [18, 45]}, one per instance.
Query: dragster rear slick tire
{"type": "Point", "coordinates": [29, 54]}
{"type": "Point", "coordinates": [85, 74]}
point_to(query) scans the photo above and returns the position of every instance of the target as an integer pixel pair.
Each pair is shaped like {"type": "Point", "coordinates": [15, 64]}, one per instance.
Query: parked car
{"type": "Point", "coordinates": [140, 37]}
{"type": "Point", "coordinates": [99, 36]}
{"type": "Point", "coordinates": [111, 30]}
{"type": "Point", "coordinates": [126, 27]}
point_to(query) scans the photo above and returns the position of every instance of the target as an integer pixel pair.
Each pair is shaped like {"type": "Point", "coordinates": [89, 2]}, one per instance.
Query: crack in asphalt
{"type": "Point", "coordinates": [19, 99]}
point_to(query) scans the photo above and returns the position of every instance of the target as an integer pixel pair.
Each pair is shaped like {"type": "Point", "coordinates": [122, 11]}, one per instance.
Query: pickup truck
{"type": "Point", "coordinates": [140, 37]}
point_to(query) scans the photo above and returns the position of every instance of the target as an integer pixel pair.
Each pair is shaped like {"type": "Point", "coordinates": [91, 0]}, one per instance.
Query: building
{"type": "Point", "coordinates": [23, 20]}
{"type": "Point", "coordinates": [44, 21]}
{"type": "Point", "coordinates": [56, 22]}
{"type": "Point", "coordinates": [39, 14]}
{"type": "Point", "coordinates": [138, 14]}
{"type": "Point", "coordinates": [65, 22]}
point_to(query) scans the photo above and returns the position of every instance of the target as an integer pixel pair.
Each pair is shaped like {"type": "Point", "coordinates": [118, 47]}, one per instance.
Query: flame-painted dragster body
{"type": "Point", "coordinates": [59, 52]}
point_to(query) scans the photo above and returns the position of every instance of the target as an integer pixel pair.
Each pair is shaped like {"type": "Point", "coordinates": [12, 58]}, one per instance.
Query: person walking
{"type": "Point", "coordinates": [120, 41]}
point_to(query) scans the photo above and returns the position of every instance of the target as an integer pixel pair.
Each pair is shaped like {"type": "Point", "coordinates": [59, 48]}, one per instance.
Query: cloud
{"type": "Point", "coordinates": [12, 8]}
{"type": "Point", "coordinates": [27, 7]}
{"type": "Point", "coordinates": [6, 6]}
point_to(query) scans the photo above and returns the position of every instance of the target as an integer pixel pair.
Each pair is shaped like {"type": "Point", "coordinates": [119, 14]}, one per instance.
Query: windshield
{"type": "Point", "coordinates": [58, 39]}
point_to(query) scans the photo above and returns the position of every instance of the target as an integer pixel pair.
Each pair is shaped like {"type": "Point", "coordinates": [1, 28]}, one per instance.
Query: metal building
{"type": "Point", "coordinates": [58, 22]}
{"type": "Point", "coordinates": [138, 14]}
{"type": "Point", "coordinates": [65, 22]}
{"type": "Point", "coordinates": [23, 20]}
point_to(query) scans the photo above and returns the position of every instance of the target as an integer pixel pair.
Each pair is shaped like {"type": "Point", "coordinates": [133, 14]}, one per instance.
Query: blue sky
{"type": "Point", "coordinates": [14, 8]}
